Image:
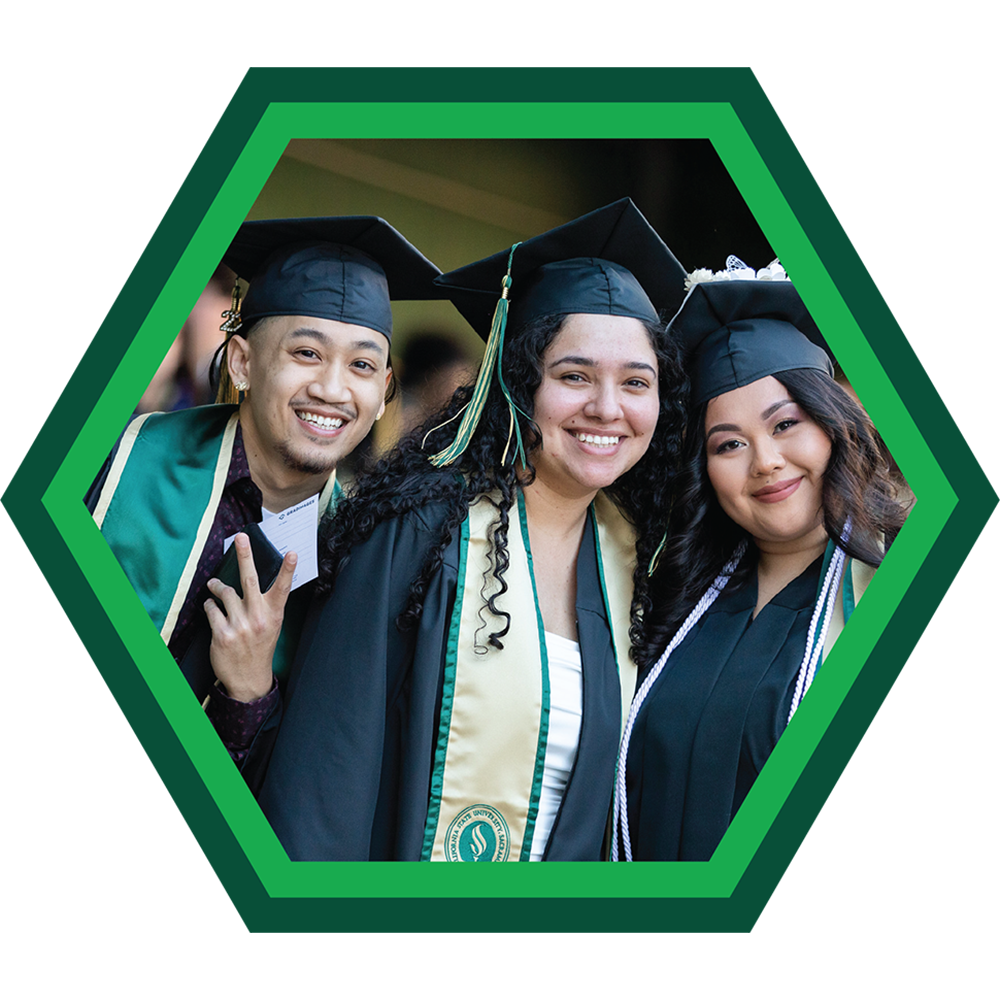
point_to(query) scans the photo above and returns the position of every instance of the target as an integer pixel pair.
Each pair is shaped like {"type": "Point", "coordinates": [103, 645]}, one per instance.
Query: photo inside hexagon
{"type": "Point", "coordinates": [459, 200]}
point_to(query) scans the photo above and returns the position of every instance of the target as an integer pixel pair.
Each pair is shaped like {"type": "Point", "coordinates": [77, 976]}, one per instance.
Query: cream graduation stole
{"type": "Point", "coordinates": [490, 752]}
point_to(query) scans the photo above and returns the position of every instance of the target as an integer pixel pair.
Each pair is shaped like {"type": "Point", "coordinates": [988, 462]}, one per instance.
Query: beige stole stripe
{"type": "Point", "coordinates": [616, 562]}
{"type": "Point", "coordinates": [487, 806]}
{"type": "Point", "coordinates": [861, 576]}
{"type": "Point", "coordinates": [117, 467]}
{"type": "Point", "coordinates": [204, 528]}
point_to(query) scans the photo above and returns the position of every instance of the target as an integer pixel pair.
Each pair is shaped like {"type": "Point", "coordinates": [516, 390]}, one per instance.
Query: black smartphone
{"type": "Point", "coordinates": [266, 559]}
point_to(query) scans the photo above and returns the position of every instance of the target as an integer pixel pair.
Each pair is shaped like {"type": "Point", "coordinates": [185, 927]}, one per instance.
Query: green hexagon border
{"type": "Point", "coordinates": [281, 122]}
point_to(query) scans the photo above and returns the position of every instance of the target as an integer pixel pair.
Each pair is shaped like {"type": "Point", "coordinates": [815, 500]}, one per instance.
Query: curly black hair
{"type": "Point", "coordinates": [857, 484]}
{"type": "Point", "coordinates": [405, 480]}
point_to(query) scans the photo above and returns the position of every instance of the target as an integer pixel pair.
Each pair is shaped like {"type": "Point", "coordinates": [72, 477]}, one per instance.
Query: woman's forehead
{"type": "Point", "coordinates": [748, 401]}
{"type": "Point", "coordinates": [605, 340]}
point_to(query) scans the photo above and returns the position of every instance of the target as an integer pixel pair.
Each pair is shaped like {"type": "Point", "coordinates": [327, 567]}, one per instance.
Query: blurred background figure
{"type": "Point", "coordinates": [162, 388]}
{"type": "Point", "coordinates": [182, 379]}
{"type": "Point", "coordinates": [432, 367]}
{"type": "Point", "coordinates": [428, 368]}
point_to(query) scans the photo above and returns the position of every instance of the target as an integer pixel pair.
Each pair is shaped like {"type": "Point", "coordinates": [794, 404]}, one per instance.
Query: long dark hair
{"type": "Point", "coordinates": [404, 480]}
{"type": "Point", "coordinates": [857, 484]}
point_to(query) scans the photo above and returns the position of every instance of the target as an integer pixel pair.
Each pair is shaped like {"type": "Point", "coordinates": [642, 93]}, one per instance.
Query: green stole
{"type": "Point", "coordinates": [160, 499]}
{"type": "Point", "coordinates": [490, 753]}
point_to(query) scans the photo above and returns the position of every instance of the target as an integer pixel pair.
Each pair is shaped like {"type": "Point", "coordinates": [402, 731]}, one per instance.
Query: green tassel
{"type": "Point", "coordinates": [492, 360]}
{"type": "Point", "coordinates": [514, 410]}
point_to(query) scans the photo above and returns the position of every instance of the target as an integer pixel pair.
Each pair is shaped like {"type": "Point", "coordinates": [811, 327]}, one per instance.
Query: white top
{"type": "Point", "coordinates": [565, 717]}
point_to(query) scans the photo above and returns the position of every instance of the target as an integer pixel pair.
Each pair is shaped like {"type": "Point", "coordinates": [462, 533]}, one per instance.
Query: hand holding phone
{"type": "Point", "coordinates": [246, 625]}
{"type": "Point", "coordinates": [266, 561]}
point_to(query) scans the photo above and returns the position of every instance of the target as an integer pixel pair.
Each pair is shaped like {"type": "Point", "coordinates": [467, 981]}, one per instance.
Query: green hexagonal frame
{"type": "Point", "coordinates": [273, 106]}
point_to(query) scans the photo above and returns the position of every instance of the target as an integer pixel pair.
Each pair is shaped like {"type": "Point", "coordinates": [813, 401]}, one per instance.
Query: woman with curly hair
{"type": "Point", "coordinates": [461, 687]}
{"type": "Point", "coordinates": [783, 508]}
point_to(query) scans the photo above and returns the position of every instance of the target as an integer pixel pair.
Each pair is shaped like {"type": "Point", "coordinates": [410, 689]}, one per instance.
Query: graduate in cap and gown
{"type": "Point", "coordinates": [782, 508]}
{"type": "Point", "coordinates": [459, 691]}
{"type": "Point", "coordinates": [305, 371]}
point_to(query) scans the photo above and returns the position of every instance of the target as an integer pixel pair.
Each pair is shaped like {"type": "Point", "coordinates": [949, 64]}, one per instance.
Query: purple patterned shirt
{"type": "Point", "coordinates": [237, 722]}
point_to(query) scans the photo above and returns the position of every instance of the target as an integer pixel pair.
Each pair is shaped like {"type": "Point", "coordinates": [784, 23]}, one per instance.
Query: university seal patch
{"type": "Point", "coordinates": [478, 833]}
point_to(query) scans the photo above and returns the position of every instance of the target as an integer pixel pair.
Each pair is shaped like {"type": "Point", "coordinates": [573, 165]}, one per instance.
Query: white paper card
{"type": "Point", "coordinates": [293, 530]}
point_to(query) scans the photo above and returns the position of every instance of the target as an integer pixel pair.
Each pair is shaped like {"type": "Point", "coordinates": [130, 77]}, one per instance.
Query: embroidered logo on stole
{"type": "Point", "coordinates": [478, 833]}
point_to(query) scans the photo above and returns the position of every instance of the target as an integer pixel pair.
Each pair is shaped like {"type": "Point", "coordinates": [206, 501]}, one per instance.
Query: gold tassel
{"type": "Point", "coordinates": [474, 409]}
{"type": "Point", "coordinates": [492, 360]}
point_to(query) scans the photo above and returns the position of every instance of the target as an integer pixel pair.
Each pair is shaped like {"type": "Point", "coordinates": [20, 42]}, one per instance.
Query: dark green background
{"type": "Point", "coordinates": [892, 174]}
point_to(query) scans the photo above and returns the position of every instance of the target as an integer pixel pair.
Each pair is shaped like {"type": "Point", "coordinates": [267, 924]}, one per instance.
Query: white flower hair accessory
{"type": "Point", "coordinates": [736, 270]}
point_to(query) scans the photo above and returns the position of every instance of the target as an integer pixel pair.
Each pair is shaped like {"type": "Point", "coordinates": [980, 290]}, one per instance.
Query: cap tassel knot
{"type": "Point", "coordinates": [232, 321]}
{"type": "Point", "coordinates": [231, 316]}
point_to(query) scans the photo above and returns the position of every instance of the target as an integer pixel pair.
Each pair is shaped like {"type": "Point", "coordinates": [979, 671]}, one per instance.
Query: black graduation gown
{"type": "Point", "coordinates": [712, 719]}
{"type": "Point", "coordinates": [350, 774]}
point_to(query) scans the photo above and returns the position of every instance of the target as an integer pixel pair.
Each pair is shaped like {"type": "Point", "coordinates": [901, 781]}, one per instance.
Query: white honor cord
{"type": "Point", "coordinates": [822, 613]}
{"type": "Point", "coordinates": [825, 603]}
{"type": "Point", "coordinates": [619, 820]}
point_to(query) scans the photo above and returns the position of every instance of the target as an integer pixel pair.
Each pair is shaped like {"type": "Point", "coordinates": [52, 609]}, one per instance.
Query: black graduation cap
{"type": "Point", "coordinates": [610, 262]}
{"type": "Point", "coordinates": [343, 268]}
{"type": "Point", "coordinates": [734, 332]}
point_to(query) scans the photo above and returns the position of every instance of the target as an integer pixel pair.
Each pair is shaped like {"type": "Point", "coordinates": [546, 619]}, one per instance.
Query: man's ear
{"type": "Point", "coordinates": [238, 359]}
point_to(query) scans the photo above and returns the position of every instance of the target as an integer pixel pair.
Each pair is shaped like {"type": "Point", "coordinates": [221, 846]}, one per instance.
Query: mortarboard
{"type": "Point", "coordinates": [735, 330]}
{"type": "Point", "coordinates": [611, 262]}
{"type": "Point", "coordinates": [608, 262]}
{"type": "Point", "coordinates": [343, 268]}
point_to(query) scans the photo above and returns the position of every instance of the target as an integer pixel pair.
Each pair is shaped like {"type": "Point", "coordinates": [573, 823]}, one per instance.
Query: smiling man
{"type": "Point", "coordinates": [314, 387]}
{"type": "Point", "coordinates": [306, 372]}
